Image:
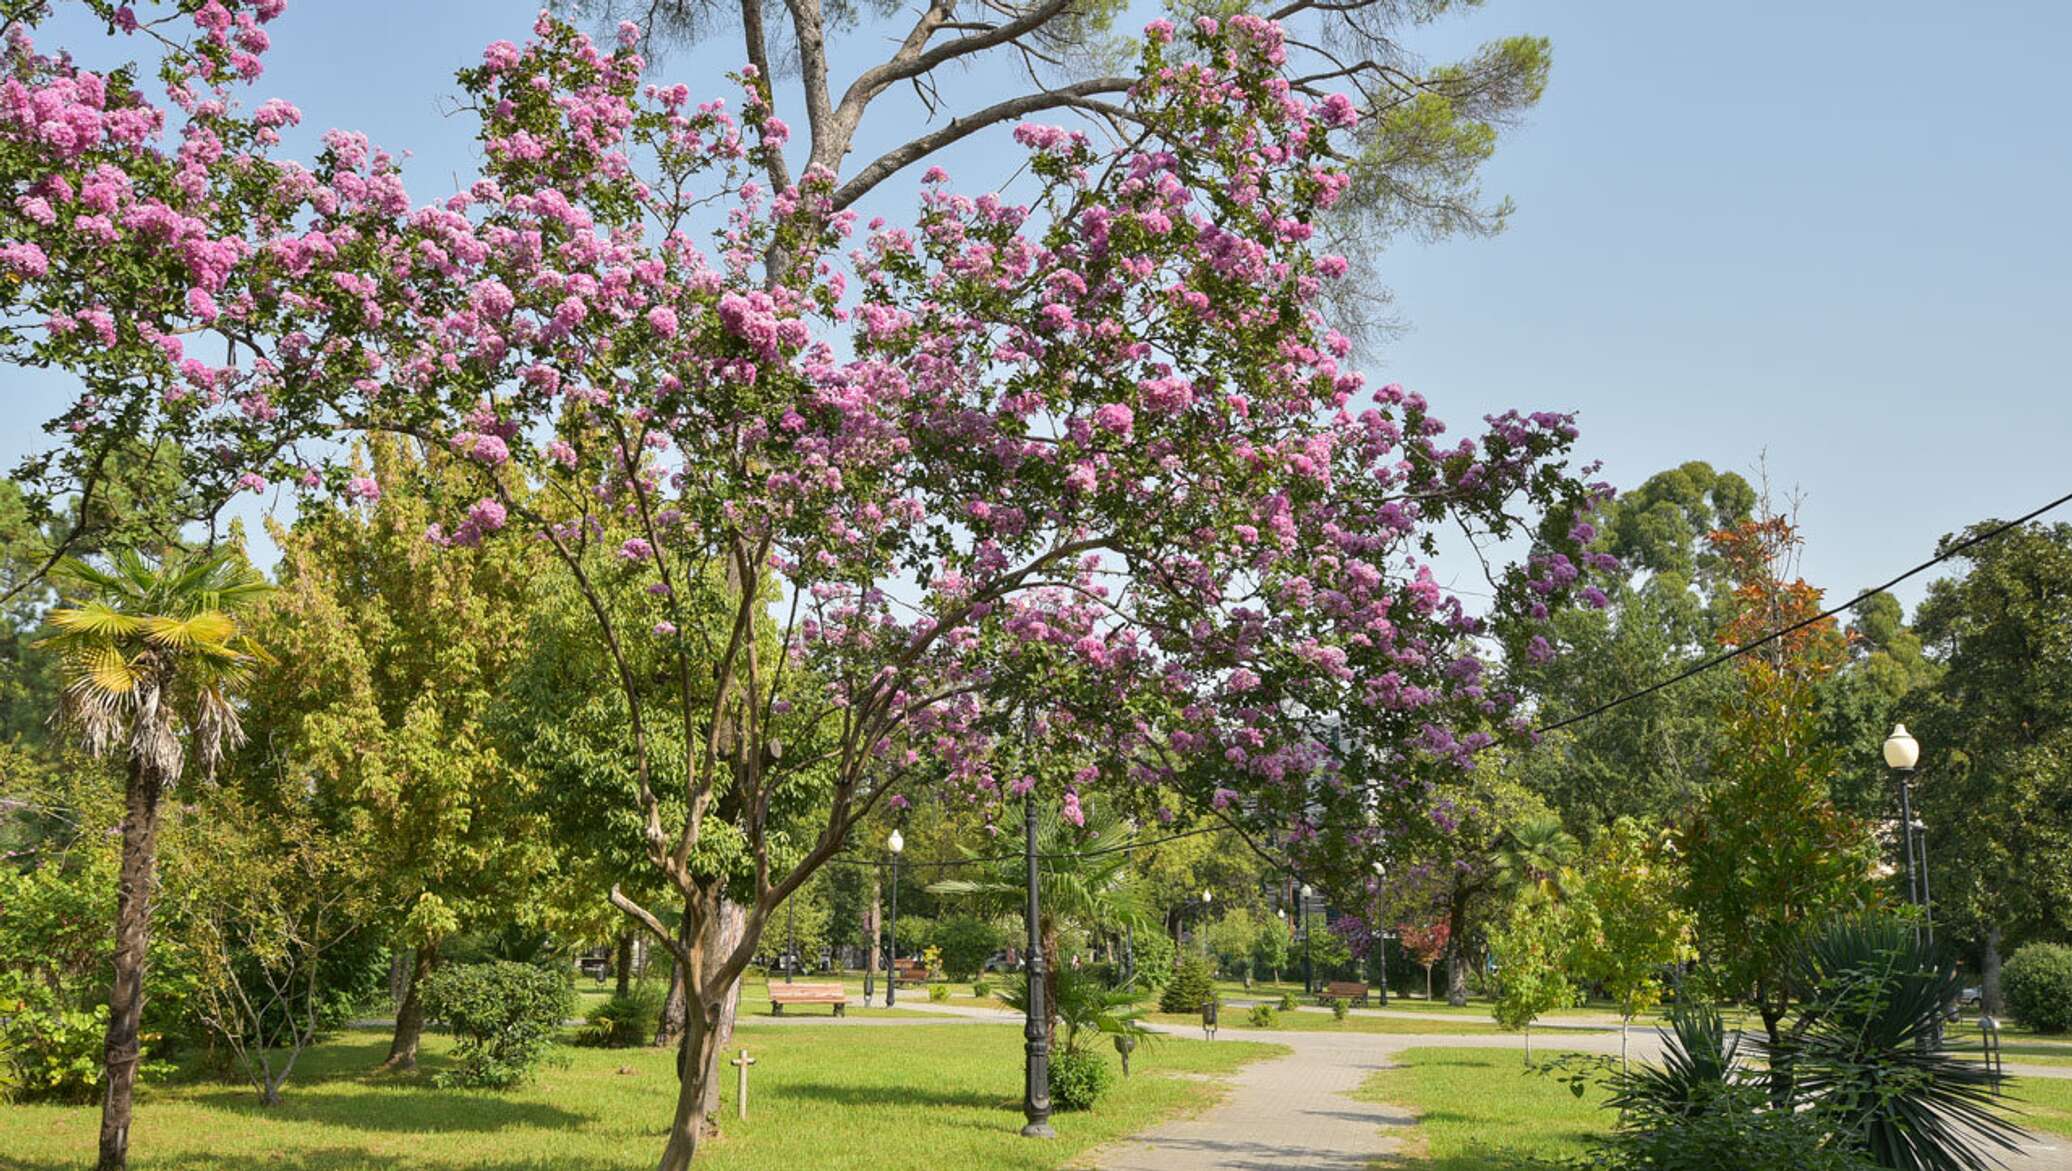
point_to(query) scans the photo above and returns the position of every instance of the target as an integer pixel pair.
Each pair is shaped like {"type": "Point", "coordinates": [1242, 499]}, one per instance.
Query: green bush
{"type": "Point", "coordinates": [1151, 959]}
{"type": "Point", "coordinates": [52, 1053]}
{"type": "Point", "coordinates": [505, 1014]}
{"type": "Point", "coordinates": [1338, 1008]}
{"type": "Point", "coordinates": [1191, 987]}
{"type": "Point", "coordinates": [1261, 1016]}
{"type": "Point", "coordinates": [1287, 1002]}
{"type": "Point", "coordinates": [1078, 1078]}
{"type": "Point", "coordinates": [2038, 985]}
{"type": "Point", "coordinates": [623, 1022]}
{"type": "Point", "coordinates": [966, 944]}
{"type": "Point", "coordinates": [981, 989]}
{"type": "Point", "coordinates": [939, 993]}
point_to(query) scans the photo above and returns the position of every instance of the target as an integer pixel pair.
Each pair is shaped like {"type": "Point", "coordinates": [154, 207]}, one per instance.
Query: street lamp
{"type": "Point", "coordinates": [1309, 972]}
{"type": "Point", "coordinates": [1902, 753]}
{"type": "Point", "coordinates": [791, 941]}
{"type": "Point", "coordinates": [895, 843]}
{"type": "Point", "coordinates": [1381, 874]}
{"type": "Point", "coordinates": [1036, 1020]}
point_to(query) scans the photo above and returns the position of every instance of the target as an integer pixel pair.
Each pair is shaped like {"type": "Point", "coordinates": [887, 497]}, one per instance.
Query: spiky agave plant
{"type": "Point", "coordinates": [154, 653]}
{"type": "Point", "coordinates": [1868, 1050]}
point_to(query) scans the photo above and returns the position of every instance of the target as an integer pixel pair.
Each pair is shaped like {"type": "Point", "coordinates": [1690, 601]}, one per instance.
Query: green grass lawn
{"type": "Point", "coordinates": [2041, 1104]}
{"type": "Point", "coordinates": [1476, 1108]}
{"type": "Point", "coordinates": [1233, 1019]}
{"type": "Point", "coordinates": [820, 1098]}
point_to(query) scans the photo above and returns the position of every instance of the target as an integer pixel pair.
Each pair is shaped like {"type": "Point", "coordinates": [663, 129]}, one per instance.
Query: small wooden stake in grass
{"type": "Point", "coordinates": [741, 1090]}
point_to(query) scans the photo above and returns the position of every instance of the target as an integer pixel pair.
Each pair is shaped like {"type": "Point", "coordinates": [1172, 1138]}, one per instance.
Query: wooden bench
{"type": "Point", "coordinates": [910, 971]}
{"type": "Point", "coordinates": [783, 994]}
{"type": "Point", "coordinates": [1351, 992]}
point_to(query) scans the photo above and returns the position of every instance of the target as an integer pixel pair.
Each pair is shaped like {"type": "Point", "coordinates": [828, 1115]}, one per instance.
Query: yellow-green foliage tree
{"type": "Point", "coordinates": [1629, 924]}
{"type": "Point", "coordinates": [1533, 945]}
{"type": "Point", "coordinates": [392, 655]}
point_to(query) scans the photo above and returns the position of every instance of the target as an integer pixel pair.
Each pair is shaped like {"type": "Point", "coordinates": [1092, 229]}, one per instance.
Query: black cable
{"type": "Point", "coordinates": [1737, 652]}
{"type": "Point", "coordinates": [1716, 660]}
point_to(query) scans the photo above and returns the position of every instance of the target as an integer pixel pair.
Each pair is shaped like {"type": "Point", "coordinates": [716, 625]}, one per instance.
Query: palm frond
{"type": "Point", "coordinates": [208, 631]}
{"type": "Point", "coordinates": [95, 620]}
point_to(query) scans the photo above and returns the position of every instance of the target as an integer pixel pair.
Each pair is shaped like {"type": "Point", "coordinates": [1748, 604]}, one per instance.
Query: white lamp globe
{"type": "Point", "coordinates": [895, 843]}
{"type": "Point", "coordinates": [1901, 749]}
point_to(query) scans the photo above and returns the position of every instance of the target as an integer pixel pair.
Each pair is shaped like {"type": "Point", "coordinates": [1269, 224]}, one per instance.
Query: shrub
{"type": "Point", "coordinates": [966, 944]}
{"type": "Point", "coordinates": [2038, 983]}
{"type": "Point", "coordinates": [1078, 1078]}
{"type": "Point", "coordinates": [1338, 1008]}
{"type": "Point", "coordinates": [1151, 959]}
{"type": "Point", "coordinates": [623, 1022]}
{"type": "Point", "coordinates": [1191, 987]}
{"type": "Point", "coordinates": [1287, 1002]}
{"type": "Point", "coordinates": [505, 1014]}
{"type": "Point", "coordinates": [939, 993]}
{"type": "Point", "coordinates": [52, 1053]}
{"type": "Point", "coordinates": [1261, 1016]}
{"type": "Point", "coordinates": [981, 989]}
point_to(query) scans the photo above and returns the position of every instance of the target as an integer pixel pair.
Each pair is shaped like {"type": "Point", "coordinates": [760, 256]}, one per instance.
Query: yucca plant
{"type": "Point", "coordinates": [1868, 1050]}
{"type": "Point", "coordinates": [1699, 1061]}
{"type": "Point", "coordinates": [154, 653]}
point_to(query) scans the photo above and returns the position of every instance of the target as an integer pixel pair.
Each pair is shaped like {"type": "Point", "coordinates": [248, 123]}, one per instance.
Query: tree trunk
{"type": "Point", "coordinates": [1457, 951]}
{"type": "Point", "coordinates": [708, 1025]}
{"type": "Point", "coordinates": [1989, 975]}
{"type": "Point", "coordinates": [132, 938]}
{"type": "Point", "coordinates": [1428, 983]}
{"type": "Point", "coordinates": [402, 1054]}
{"type": "Point", "coordinates": [669, 1029]}
{"type": "Point", "coordinates": [697, 1089]}
{"type": "Point", "coordinates": [622, 965]}
{"type": "Point", "coordinates": [722, 938]}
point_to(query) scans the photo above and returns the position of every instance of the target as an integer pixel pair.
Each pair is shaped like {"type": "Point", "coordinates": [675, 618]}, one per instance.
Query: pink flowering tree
{"type": "Point", "coordinates": [156, 250]}
{"type": "Point", "coordinates": [1089, 467]}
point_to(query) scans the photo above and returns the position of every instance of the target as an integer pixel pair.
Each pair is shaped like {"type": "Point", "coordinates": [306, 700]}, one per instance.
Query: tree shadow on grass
{"type": "Point", "coordinates": [333, 1158]}
{"type": "Point", "coordinates": [409, 1109]}
{"type": "Point", "coordinates": [848, 1095]}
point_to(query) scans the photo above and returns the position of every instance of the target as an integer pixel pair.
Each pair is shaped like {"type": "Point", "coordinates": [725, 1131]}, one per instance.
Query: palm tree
{"type": "Point", "coordinates": [1534, 853]}
{"type": "Point", "coordinates": [153, 655]}
{"type": "Point", "coordinates": [1086, 879]}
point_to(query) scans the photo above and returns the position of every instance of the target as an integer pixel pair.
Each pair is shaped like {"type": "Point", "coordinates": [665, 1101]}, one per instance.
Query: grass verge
{"type": "Point", "coordinates": [819, 1097]}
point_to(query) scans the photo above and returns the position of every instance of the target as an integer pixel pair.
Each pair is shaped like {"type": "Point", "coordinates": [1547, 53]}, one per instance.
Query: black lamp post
{"type": "Point", "coordinates": [895, 843]}
{"type": "Point", "coordinates": [1902, 753]}
{"type": "Point", "coordinates": [1036, 1021]}
{"type": "Point", "coordinates": [1309, 972]}
{"type": "Point", "coordinates": [791, 941]}
{"type": "Point", "coordinates": [1381, 875]}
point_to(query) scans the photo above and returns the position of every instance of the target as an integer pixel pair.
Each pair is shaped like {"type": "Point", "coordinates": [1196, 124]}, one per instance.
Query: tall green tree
{"type": "Point", "coordinates": [1995, 780]}
{"type": "Point", "coordinates": [394, 657]}
{"type": "Point", "coordinates": [1652, 757]}
{"type": "Point", "coordinates": [155, 654]}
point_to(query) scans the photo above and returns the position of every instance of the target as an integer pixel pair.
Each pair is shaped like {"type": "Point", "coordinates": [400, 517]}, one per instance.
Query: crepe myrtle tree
{"type": "Point", "coordinates": [160, 254]}
{"type": "Point", "coordinates": [1094, 459]}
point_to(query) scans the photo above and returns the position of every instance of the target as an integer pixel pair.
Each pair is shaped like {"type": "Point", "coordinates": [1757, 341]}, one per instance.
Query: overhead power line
{"type": "Point", "coordinates": [1773, 636]}
{"type": "Point", "coordinates": [1699, 668]}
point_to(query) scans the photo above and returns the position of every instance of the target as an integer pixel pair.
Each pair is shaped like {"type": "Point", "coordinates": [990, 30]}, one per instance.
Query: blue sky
{"type": "Point", "coordinates": [1831, 234]}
